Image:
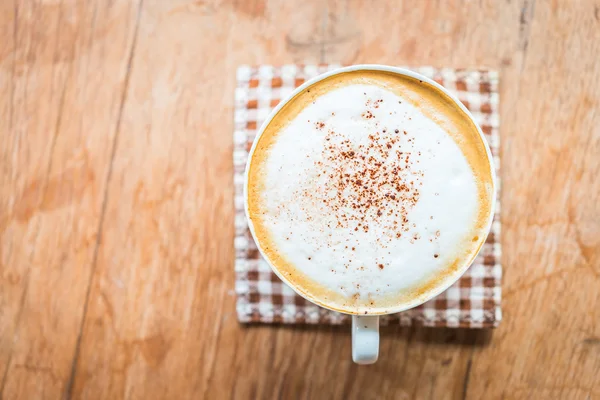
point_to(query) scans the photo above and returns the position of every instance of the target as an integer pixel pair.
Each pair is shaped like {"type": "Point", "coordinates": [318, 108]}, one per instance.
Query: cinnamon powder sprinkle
{"type": "Point", "coordinates": [368, 181]}
{"type": "Point", "coordinates": [376, 180]}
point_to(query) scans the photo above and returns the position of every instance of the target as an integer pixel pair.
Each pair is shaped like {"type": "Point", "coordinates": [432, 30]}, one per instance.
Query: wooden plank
{"type": "Point", "coordinates": [164, 264]}
{"type": "Point", "coordinates": [62, 71]}
{"type": "Point", "coordinates": [549, 343]}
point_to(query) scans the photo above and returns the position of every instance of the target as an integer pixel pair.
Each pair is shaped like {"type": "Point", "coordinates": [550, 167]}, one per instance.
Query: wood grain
{"type": "Point", "coordinates": [116, 200]}
{"type": "Point", "coordinates": [63, 71]}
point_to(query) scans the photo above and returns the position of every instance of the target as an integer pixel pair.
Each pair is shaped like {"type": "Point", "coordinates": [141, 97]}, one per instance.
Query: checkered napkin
{"type": "Point", "coordinates": [472, 302]}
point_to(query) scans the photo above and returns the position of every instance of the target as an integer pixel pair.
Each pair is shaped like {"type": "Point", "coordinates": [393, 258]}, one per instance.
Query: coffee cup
{"type": "Point", "coordinates": [369, 190]}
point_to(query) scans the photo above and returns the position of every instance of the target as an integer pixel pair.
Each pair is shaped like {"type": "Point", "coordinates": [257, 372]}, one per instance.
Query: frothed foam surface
{"type": "Point", "coordinates": [364, 195]}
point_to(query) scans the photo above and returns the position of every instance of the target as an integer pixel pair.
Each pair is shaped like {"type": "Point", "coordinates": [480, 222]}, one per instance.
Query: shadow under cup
{"type": "Point", "coordinates": [365, 324]}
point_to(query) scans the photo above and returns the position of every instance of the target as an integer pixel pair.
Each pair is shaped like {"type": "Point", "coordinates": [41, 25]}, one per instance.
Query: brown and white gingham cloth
{"type": "Point", "coordinates": [472, 302]}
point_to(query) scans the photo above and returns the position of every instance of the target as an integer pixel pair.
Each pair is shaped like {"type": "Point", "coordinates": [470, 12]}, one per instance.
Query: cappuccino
{"type": "Point", "coordinates": [368, 190]}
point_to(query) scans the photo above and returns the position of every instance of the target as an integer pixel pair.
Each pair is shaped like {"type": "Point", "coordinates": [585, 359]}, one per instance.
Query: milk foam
{"type": "Point", "coordinates": [367, 228]}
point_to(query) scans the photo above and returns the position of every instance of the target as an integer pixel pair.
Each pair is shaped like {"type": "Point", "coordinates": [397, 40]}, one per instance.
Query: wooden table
{"type": "Point", "coordinates": [116, 200]}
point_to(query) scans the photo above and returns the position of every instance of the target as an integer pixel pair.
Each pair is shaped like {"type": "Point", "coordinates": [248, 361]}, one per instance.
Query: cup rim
{"type": "Point", "coordinates": [446, 283]}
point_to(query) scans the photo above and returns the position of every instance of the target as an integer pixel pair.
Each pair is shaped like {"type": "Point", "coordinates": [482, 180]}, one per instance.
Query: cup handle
{"type": "Point", "coordinates": [365, 338]}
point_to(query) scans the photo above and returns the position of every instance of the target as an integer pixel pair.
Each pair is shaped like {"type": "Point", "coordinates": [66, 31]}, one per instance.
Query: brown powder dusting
{"type": "Point", "coordinates": [369, 182]}
{"type": "Point", "coordinates": [368, 115]}
{"type": "Point", "coordinates": [371, 179]}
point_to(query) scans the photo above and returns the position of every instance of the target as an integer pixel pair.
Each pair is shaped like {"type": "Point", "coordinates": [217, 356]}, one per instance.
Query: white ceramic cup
{"type": "Point", "coordinates": [365, 328]}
